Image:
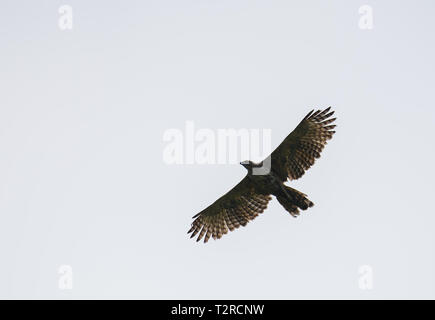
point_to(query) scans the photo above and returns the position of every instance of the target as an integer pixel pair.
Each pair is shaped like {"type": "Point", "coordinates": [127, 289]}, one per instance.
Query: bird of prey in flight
{"type": "Point", "coordinates": [250, 196]}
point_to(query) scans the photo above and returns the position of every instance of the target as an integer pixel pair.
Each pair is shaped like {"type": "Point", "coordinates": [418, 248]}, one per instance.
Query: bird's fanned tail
{"type": "Point", "coordinates": [293, 200]}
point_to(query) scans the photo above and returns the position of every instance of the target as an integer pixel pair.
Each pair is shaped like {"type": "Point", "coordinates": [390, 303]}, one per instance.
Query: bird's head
{"type": "Point", "coordinates": [247, 164]}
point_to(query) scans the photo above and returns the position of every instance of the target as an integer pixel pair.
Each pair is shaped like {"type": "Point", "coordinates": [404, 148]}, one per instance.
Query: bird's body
{"type": "Point", "coordinates": [250, 197]}
{"type": "Point", "coordinates": [268, 183]}
{"type": "Point", "coordinates": [272, 184]}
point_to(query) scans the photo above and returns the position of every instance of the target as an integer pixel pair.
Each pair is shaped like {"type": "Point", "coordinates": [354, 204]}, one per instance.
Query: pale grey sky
{"type": "Point", "coordinates": [82, 117]}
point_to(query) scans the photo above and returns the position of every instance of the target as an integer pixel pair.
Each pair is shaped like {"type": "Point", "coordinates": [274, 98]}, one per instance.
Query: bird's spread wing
{"type": "Point", "coordinates": [236, 208]}
{"type": "Point", "coordinates": [303, 145]}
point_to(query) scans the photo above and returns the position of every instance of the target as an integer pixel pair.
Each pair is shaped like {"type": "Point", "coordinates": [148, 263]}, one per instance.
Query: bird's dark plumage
{"type": "Point", "coordinates": [250, 197]}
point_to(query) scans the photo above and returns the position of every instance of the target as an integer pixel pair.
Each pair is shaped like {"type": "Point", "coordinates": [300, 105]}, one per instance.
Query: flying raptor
{"type": "Point", "coordinates": [250, 196]}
